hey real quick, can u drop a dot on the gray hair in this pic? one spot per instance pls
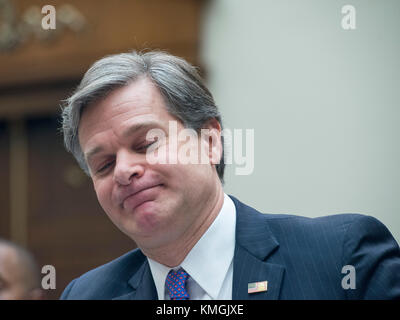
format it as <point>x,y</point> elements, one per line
<point>182,88</point>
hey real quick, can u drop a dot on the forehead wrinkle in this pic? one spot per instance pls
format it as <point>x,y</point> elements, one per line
<point>136,107</point>
<point>135,102</point>
<point>141,97</point>
<point>146,122</point>
<point>138,124</point>
<point>130,111</point>
<point>97,148</point>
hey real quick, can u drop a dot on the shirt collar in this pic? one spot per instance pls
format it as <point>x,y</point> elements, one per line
<point>216,246</point>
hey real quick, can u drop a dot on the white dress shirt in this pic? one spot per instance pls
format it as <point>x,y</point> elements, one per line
<point>209,263</point>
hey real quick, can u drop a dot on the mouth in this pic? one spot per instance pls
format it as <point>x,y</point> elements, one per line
<point>136,199</point>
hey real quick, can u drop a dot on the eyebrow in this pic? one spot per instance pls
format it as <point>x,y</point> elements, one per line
<point>133,129</point>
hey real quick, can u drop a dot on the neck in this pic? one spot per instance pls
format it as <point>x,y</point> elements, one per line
<point>173,253</point>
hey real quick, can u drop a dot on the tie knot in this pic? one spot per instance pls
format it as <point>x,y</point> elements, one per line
<point>176,284</point>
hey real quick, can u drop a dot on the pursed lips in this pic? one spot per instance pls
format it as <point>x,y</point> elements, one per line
<point>134,193</point>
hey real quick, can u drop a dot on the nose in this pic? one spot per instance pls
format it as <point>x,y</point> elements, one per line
<point>127,166</point>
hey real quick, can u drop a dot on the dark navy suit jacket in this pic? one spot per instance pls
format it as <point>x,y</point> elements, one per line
<point>301,258</point>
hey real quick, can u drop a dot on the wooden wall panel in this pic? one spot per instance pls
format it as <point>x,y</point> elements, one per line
<point>111,26</point>
<point>4,181</point>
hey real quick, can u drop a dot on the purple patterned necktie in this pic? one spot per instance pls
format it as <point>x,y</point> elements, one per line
<point>176,284</point>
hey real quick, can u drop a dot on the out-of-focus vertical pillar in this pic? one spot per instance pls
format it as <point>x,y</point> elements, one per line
<point>18,181</point>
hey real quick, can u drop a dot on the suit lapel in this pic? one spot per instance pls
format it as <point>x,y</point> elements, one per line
<point>254,244</point>
<point>142,284</point>
<point>248,269</point>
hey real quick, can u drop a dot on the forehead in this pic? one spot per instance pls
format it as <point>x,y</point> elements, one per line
<point>138,102</point>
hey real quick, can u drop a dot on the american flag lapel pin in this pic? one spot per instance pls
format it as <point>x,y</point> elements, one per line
<point>257,287</point>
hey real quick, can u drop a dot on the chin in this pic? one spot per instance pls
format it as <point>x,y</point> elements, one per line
<point>144,220</point>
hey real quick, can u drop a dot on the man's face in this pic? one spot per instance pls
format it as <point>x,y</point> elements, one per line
<point>151,203</point>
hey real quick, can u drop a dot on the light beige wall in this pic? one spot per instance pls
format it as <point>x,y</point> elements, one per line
<point>324,103</point>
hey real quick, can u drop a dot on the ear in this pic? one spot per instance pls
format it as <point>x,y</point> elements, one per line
<point>211,137</point>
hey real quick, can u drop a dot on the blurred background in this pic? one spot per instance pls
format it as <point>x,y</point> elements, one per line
<point>324,103</point>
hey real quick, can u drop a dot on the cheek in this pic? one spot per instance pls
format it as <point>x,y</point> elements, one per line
<point>103,191</point>
<point>186,178</point>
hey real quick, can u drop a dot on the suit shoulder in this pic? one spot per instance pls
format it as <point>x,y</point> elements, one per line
<point>344,219</point>
<point>289,223</point>
<point>95,284</point>
<point>126,261</point>
<point>331,226</point>
<point>331,218</point>
<point>346,223</point>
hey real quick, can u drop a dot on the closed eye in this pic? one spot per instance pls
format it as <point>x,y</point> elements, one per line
<point>145,147</point>
<point>105,167</point>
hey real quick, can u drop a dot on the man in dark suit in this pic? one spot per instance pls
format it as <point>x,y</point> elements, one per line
<point>147,131</point>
